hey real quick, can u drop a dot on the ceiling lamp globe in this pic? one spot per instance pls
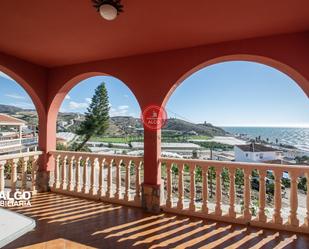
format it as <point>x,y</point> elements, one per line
<point>108,12</point>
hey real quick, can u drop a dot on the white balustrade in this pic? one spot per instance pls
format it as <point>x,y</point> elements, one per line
<point>277,195</point>
<point>169,185</point>
<point>98,176</point>
<point>218,210</point>
<point>108,178</point>
<point>127,181</point>
<point>247,195</point>
<point>138,166</point>
<point>205,190</point>
<point>19,171</point>
<point>234,207</point>
<point>262,196</point>
<point>232,212</point>
<point>293,221</point>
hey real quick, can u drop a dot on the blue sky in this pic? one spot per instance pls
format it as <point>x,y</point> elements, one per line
<point>224,94</point>
<point>122,100</point>
<point>13,94</point>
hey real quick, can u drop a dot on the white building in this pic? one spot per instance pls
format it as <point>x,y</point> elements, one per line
<point>256,153</point>
<point>65,137</point>
<point>11,136</point>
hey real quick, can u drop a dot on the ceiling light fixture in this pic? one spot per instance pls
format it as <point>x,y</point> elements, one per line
<point>108,9</point>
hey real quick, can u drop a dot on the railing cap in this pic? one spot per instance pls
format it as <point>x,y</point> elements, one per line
<point>243,165</point>
<point>94,155</point>
<point>20,155</point>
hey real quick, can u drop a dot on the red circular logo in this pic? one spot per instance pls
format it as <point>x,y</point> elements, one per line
<point>154,117</point>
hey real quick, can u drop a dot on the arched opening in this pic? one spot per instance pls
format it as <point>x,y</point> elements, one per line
<point>19,135</point>
<point>99,139</point>
<point>268,115</point>
<point>124,134</point>
<point>19,118</point>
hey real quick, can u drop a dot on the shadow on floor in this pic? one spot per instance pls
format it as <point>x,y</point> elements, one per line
<point>69,222</point>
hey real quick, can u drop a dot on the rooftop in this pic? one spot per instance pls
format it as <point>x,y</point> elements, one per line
<point>9,120</point>
<point>255,148</point>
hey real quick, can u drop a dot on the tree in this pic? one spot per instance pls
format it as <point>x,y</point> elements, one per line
<point>97,117</point>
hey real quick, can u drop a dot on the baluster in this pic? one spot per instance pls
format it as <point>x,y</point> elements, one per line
<point>192,187</point>
<point>56,173</point>
<point>262,194</point>
<point>24,173</point>
<point>205,189</point>
<point>118,179</point>
<point>307,200</point>
<point>218,210</point>
<point>293,221</point>
<point>34,174</point>
<point>109,179</point>
<point>127,186</point>
<point>169,185</point>
<point>93,163</point>
<point>180,187</point>
<point>14,174</point>
<point>2,178</point>
<point>85,177</point>
<point>77,175</point>
<point>71,187</point>
<point>64,173</point>
<point>137,197</point>
<point>101,177</point>
<point>277,195</point>
<point>232,212</point>
<point>247,195</point>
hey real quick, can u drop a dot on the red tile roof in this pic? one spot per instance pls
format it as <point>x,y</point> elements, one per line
<point>6,119</point>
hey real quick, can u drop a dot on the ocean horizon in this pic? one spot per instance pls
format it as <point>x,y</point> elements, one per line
<point>298,137</point>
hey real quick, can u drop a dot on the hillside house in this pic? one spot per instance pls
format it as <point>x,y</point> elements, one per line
<point>256,153</point>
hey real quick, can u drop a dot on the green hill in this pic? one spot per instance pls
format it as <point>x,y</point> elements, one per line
<point>120,125</point>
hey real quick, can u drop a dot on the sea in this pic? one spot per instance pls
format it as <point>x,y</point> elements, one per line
<point>298,137</point>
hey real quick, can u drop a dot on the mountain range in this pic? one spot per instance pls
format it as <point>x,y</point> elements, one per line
<point>122,125</point>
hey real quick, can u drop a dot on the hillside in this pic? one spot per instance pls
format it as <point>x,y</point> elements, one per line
<point>8,109</point>
<point>128,124</point>
<point>119,125</point>
<point>202,129</point>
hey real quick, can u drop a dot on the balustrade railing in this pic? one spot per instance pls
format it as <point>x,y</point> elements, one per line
<point>225,191</point>
<point>111,178</point>
<point>19,171</point>
<point>11,142</point>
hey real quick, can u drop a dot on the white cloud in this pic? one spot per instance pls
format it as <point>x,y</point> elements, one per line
<point>88,100</point>
<point>123,107</point>
<point>3,75</point>
<point>67,97</point>
<point>63,109</point>
<point>24,105</point>
<point>76,105</point>
<point>15,96</point>
<point>119,111</point>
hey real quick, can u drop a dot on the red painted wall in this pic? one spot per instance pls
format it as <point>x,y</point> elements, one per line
<point>153,78</point>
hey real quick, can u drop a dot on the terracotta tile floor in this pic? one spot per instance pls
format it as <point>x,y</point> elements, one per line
<point>68,222</point>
